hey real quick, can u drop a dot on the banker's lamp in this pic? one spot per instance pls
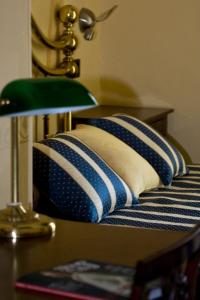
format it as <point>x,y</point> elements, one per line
<point>26,97</point>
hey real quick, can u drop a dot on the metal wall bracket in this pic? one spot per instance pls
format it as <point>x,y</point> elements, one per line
<point>67,43</point>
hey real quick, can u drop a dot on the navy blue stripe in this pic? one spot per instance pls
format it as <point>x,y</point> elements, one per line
<point>190,179</point>
<point>184,185</point>
<point>180,189</point>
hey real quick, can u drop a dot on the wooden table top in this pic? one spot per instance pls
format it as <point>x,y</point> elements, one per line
<point>75,240</point>
<point>147,114</point>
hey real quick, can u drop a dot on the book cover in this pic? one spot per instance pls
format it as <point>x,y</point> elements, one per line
<point>81,279</point>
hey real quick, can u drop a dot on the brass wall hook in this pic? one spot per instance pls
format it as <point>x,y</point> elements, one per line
<point>67,43</point>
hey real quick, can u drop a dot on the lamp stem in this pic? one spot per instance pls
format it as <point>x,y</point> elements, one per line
<point>14,160</point>
<point>68,121</point>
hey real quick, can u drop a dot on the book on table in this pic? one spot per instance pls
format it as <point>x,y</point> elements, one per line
<point>81,279</point>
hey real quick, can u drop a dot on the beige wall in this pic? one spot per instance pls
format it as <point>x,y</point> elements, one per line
<point>15,61</point>
<point>150,54</point>
<point>147,54</point>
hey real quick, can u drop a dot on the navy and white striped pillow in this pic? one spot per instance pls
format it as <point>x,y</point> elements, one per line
<point>164,158</point>
<point>77,181</point>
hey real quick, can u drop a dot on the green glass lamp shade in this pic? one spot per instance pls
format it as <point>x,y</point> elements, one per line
<point>25,97</point>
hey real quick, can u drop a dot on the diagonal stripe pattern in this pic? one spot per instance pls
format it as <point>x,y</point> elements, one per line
<point>175,208</point>
<point>164,157</point>
<point>77,181</point>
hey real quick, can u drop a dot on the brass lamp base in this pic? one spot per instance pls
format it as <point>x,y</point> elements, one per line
<point>18,222</point>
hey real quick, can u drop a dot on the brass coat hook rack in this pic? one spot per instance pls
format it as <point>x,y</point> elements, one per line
<point>67,41</point>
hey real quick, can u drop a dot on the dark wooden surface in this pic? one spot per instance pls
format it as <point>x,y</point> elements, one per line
<point>74,240</point>
<point>156,117</point>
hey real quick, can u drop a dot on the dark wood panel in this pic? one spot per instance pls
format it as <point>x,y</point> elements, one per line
<point>156,117</point>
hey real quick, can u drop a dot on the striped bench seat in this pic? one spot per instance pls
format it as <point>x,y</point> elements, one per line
<point>170,208</point>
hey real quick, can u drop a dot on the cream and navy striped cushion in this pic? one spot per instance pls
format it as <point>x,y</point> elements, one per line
<point>77,181</point>
<point>164,158</point>
<point>175,208</point>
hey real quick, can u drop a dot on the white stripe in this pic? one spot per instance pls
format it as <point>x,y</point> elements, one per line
<point>183,188</point>
<point>170,198</point>
<point>129,199</point>
<point>94,165</point>
<point>178,164</point>
<point>194,172</point>
<point>187,181</point>
<point>158,213</point>
<point>183,164</point>
<point>144,138</point>
<point>75,174</point>
<point>170,205</point>
<point>152,221</point>
<point>195,166</point>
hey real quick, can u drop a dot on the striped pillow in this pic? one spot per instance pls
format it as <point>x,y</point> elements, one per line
<point>164,158</point>
<point>79,184</point>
